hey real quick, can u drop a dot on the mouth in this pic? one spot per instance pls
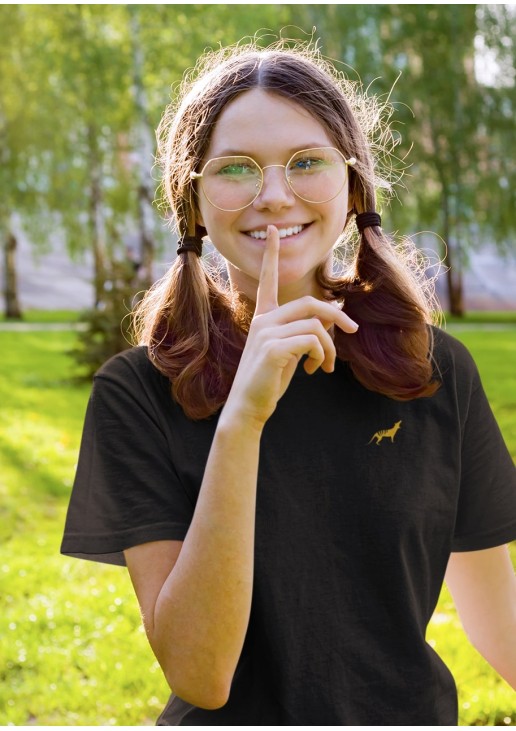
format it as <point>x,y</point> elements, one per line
<point>284,233</point>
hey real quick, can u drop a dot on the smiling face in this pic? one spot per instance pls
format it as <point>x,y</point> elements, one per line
<point>270,128</point>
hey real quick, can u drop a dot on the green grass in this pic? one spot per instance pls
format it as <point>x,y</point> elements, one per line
<point>72,649</point>
<point>483,317</point>
<point>45,316</point>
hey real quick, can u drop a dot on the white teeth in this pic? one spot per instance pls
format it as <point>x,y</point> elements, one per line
<point>283,232</point>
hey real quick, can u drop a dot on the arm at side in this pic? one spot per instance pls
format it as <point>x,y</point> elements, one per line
<point>195,596</point>
<point>483,587</point>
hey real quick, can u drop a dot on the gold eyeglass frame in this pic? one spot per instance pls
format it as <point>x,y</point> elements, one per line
<point>198,176</point>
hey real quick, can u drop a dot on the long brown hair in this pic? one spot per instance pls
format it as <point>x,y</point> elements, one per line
<point>194,327</point>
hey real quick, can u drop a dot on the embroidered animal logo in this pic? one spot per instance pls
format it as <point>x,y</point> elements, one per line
<point>386,433</point>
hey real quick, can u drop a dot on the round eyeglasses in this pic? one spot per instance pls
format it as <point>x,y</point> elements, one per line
<point>232,183</point>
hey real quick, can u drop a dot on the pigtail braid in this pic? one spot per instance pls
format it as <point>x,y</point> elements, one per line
<point>187,323</point>
<point>390,352</point>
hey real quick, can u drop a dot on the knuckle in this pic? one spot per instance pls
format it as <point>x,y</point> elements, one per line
<point>319,327</point>
<point>269,347</point>
<point>308,300</point>
<point>315,344</point>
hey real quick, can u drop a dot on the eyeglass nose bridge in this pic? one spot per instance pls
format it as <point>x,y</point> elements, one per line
<point>262,182</point>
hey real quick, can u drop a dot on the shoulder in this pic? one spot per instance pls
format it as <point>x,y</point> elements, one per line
<point>452,359</point>
<point>457,373</point>
<point>449,348</point>
<point>130,365</point>
<point>131,375</point>
<point>135,360</point>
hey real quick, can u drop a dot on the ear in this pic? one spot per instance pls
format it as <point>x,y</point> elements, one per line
<point>200,230</point>
<point>351,204</point>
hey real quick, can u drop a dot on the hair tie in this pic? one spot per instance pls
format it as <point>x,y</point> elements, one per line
<point>190,243</point>
<point>369,218</point>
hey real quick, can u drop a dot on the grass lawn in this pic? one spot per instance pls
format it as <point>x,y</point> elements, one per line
<point>483,317</point>
<point>46,316</point>
<point>73,651</point>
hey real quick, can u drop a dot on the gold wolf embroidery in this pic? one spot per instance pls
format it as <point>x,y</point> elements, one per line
<point>379,435</point>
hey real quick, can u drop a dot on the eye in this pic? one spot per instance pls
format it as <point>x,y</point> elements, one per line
<point>236,169</point>
<point>308,164</point>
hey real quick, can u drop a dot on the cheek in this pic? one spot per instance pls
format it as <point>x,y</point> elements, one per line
<point>336,215</point>
<point>211,218</point>
<point>341,213</point>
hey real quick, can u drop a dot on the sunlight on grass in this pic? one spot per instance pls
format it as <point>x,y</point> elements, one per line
<point>484,699</point>
<point>73,651</point>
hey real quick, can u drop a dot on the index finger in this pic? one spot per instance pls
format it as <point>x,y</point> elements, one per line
<point>267,295</point>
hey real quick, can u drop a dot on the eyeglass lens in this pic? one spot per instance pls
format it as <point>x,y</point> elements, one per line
<point>316,176</point>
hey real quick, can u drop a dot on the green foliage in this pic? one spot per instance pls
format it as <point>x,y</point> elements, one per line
<point>71,127</point>
<point>73,651</point>
<point>74,67</point>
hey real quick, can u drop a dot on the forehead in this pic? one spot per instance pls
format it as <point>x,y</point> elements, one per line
<point>263,123</point>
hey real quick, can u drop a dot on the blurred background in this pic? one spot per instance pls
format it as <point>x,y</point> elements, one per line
<point>83,88</point>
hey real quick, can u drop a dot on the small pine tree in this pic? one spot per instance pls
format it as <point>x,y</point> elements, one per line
<point>106,328</point>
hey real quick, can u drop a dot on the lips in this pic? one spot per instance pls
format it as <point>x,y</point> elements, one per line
<point>283,232</point>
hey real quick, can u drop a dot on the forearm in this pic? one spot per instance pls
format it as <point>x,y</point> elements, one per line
<point>499,649</point>
<point>483,586</point>
<point>202,612</point>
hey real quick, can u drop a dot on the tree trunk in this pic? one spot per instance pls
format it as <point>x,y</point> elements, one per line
<point>12,304</point>
<point>145,156</point>
<point>452,260</point>
<point>455,290</point>
<point>97,226</point>
<point>146,237</point>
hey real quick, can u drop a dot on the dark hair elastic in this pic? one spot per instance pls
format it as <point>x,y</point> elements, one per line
<point>190,243</point>
<point>369,218</point>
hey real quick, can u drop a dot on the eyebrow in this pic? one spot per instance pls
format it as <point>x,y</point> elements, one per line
<point>233,152</point>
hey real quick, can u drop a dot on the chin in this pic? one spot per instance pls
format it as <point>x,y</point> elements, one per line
<point>292,275</point>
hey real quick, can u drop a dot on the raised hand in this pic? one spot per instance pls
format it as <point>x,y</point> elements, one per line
<point>278,337</point>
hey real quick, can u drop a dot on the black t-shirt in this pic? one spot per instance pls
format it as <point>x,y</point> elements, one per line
<point>360,501</point>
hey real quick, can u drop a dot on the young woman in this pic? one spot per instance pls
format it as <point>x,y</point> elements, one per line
<point>289,465</point>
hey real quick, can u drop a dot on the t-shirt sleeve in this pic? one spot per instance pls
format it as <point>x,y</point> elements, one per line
<point>126,489</point>
<point>486,511</point>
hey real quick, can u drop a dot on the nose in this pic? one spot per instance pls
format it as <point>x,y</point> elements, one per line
<point>275,193</point>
